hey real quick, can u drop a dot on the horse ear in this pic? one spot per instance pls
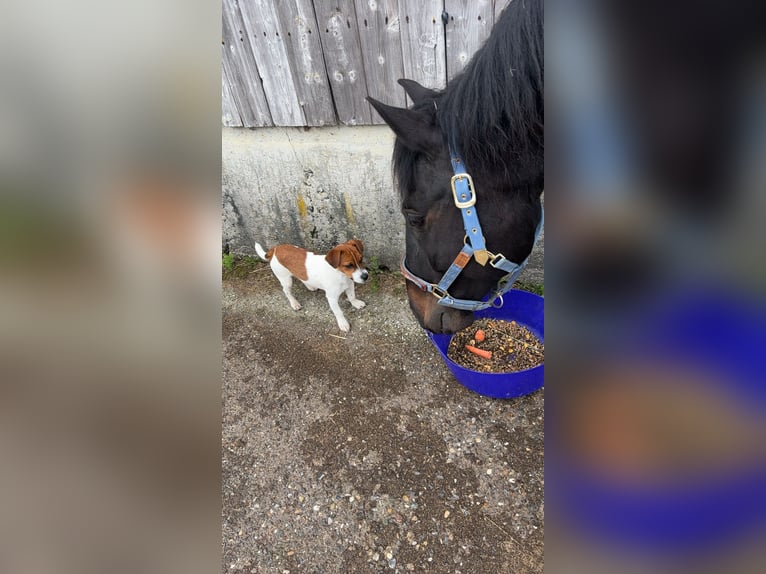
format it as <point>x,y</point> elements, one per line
<point>415,91</point>
<point>416,129</point>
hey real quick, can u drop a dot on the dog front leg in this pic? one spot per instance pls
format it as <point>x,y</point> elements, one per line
<point>335,306</point>
<point>355,303</point>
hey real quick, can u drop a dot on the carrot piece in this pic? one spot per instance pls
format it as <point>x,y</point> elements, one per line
<point>479,335</point>
<point>479,352</point>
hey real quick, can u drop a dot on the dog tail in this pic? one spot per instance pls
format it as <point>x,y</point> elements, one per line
<point>265,255</point>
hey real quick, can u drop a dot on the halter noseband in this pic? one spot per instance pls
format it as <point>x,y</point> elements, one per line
<point>474,246</point>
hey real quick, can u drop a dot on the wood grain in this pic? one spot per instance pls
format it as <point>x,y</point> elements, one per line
<point>241,70</point>
<point>378,24</point>
<point>343,59</point>
<point>468,27</point>
<point>299,31</point>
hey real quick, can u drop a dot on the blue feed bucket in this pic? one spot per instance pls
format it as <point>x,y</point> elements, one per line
<point>525,308</point>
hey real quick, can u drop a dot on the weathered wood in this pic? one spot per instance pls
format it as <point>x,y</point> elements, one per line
<point>378,24</point>
<point>468,27</point>
<point>311,62</point>
<point>263,30</point>
<point>343,59</point>
<point>229,113</point>
<point>241,71</point>
<point>422,34</point>
<point>299,31</point>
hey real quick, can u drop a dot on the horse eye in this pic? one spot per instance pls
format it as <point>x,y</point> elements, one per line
<point>414,219</point>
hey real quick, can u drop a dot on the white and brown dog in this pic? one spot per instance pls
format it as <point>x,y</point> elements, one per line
<point>334,273</point>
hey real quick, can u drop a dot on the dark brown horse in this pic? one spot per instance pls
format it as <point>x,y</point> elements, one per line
<point>490,120</point>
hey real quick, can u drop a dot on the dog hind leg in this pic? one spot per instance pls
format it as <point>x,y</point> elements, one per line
<point>286,279</point>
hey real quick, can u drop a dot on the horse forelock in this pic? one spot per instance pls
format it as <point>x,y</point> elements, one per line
<point>493,110</point>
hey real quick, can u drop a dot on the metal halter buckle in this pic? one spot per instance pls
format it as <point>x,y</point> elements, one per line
<point>438,292</point>
<point>463,203</point>
<point>495,258</point>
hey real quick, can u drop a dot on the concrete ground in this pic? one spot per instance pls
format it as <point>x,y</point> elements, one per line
<point>359,452</point>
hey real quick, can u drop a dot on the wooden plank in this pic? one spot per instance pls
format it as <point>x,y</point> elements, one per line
<point>299,31</point>
<point>378,25</point>
<point>241,71</point>
<point>468,27</point>
<point>343,59</point>
<point>500,6</point>
<point>263,30</point>
<point>229,113</point>
<point>422,33</point>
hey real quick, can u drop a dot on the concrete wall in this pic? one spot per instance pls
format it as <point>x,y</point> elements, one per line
<point>316,187</point>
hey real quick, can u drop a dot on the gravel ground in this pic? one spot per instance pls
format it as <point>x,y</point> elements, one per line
<point>359,452</point>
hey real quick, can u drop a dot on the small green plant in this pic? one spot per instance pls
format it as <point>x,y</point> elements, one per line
<point>374,269</point>
<point>238,266</point>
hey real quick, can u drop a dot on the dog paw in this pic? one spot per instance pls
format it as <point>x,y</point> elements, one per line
<point>296,306</point>
<point>344,326</point>
<point>358,304</point>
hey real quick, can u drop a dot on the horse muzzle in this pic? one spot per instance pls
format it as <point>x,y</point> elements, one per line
<point>434,317</point>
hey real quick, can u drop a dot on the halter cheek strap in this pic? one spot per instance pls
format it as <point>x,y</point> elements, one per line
<point>464,196</point>
<point>465,199</point>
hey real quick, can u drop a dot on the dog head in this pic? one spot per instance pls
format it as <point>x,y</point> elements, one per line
<point>347,258</point>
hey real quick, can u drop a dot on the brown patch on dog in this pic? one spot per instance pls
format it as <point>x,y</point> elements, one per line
<point>359,247</point>
<point>292,257</point>
<point>346,257</point>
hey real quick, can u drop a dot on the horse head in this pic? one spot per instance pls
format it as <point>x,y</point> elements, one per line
<point>493,113</point>
<point>507,204</point>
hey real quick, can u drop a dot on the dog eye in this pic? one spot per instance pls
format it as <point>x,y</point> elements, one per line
<point>348,265</point>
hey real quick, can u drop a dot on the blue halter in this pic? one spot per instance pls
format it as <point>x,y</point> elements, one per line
<point>474,246</point>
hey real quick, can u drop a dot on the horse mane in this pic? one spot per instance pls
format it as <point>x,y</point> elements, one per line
<point>492,112</point>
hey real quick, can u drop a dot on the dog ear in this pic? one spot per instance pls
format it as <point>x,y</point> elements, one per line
<point>356,244</point>
<point>333,257</point>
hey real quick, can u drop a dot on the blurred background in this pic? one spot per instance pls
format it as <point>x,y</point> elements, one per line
<point>655,297</point>
<point>109,294</point>
<point>109,291</point>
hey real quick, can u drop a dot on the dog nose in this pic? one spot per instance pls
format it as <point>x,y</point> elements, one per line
<point>365,275</point>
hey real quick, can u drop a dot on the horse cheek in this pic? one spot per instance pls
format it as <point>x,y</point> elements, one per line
<point>421,303</point>
<point>433,316</point>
